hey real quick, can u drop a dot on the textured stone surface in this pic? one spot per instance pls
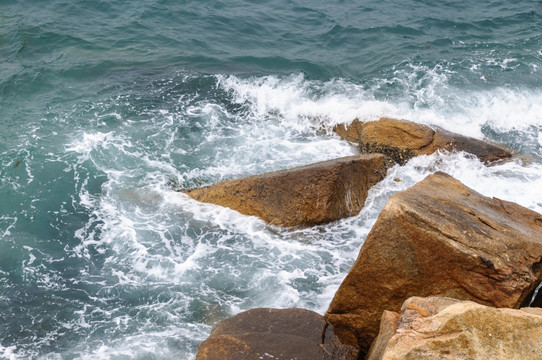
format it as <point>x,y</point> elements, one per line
<point>389,324</point>
<point>437,328</point>
<point>306,195</point>
<point>401,140</point>
<point>439,238</point>
<point>274,334</point>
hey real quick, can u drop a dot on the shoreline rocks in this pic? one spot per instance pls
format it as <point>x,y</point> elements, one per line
<point>305,195</point>
<point>436,278</point>
<point>450,329</point>
<point>274,334</point>
<point>439,238</point>
<point>401,140</point>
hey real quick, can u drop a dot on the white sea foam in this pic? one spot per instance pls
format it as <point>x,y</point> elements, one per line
<point>226,262</point>
<point>512,181</point>
<point>8,353</point>
<point>7,223</point>
<point>427,98</point>
<point>150,343</point>
<point>89,142</point>
<point>305,104</point>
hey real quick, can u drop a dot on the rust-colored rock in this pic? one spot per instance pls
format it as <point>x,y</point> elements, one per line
<point>306,195</point>
<point>439,238</point>
<point>401,140</point>
<point>274,334</point>
<point>437,328</point>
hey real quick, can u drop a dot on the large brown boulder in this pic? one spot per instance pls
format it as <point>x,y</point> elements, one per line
<point>439,238</point>
<point>274,334</point>
<point>306,195</point>
<point>437,328</point>
<point>401,140</point>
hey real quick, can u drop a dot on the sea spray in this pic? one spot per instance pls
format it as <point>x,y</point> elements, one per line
<point>109,110</point>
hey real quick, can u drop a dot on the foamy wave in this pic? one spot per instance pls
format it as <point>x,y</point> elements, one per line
<point>511,181</point>
<point>305,103</point>
<point>422,94</point>
<point>88,143</point>
<point>8,353</point>
<point>6,224</point>
<point>505,109</point>
<point>154,344</point>
<point>221,262</point>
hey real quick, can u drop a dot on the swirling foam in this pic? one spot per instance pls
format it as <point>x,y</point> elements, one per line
<point>163,268</point>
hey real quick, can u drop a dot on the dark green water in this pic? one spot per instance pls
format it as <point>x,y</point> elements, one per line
<point>105,104</point>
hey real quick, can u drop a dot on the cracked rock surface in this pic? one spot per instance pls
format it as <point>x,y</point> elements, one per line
<point>448,329</point>
<point>439,238</point>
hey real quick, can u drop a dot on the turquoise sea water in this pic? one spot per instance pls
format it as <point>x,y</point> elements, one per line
<point>108,107</point>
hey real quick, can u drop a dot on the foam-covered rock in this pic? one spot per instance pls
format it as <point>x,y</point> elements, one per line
<point>305,195</point>
<point>439,238</point>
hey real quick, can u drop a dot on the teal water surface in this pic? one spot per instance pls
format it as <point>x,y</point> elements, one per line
<point>108,107</point>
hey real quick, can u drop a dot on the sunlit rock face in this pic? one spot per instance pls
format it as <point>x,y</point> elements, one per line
<point>301,196</point>
<point>449,329</point>
<point>439,237</point>
<point>401,140</point>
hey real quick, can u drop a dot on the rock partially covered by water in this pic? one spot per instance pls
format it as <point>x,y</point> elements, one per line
<point>449,329</point>
<point>274,334</point>
<point>439,238</point>
<point>306,195</point>
<point>401,140</point>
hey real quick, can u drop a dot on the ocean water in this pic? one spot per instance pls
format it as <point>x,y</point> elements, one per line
<point>108,107</point>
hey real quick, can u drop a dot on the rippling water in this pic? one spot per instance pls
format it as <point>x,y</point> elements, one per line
<point>108,107</point>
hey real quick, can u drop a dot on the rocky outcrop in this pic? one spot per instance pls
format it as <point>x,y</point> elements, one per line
<point>439,238</point>
<point>305,195</point>
<point>401,140</point>
<point>448,329</point>
<point>274,334</point>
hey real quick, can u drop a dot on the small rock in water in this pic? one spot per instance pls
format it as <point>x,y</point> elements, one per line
<point>401,140</point>
<point>274,334</point>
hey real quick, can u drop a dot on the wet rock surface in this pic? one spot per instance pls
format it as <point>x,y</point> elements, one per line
<point>306,195</point>
<point>274,334</point>
<point>439,238</point>
<point>401,140</point>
